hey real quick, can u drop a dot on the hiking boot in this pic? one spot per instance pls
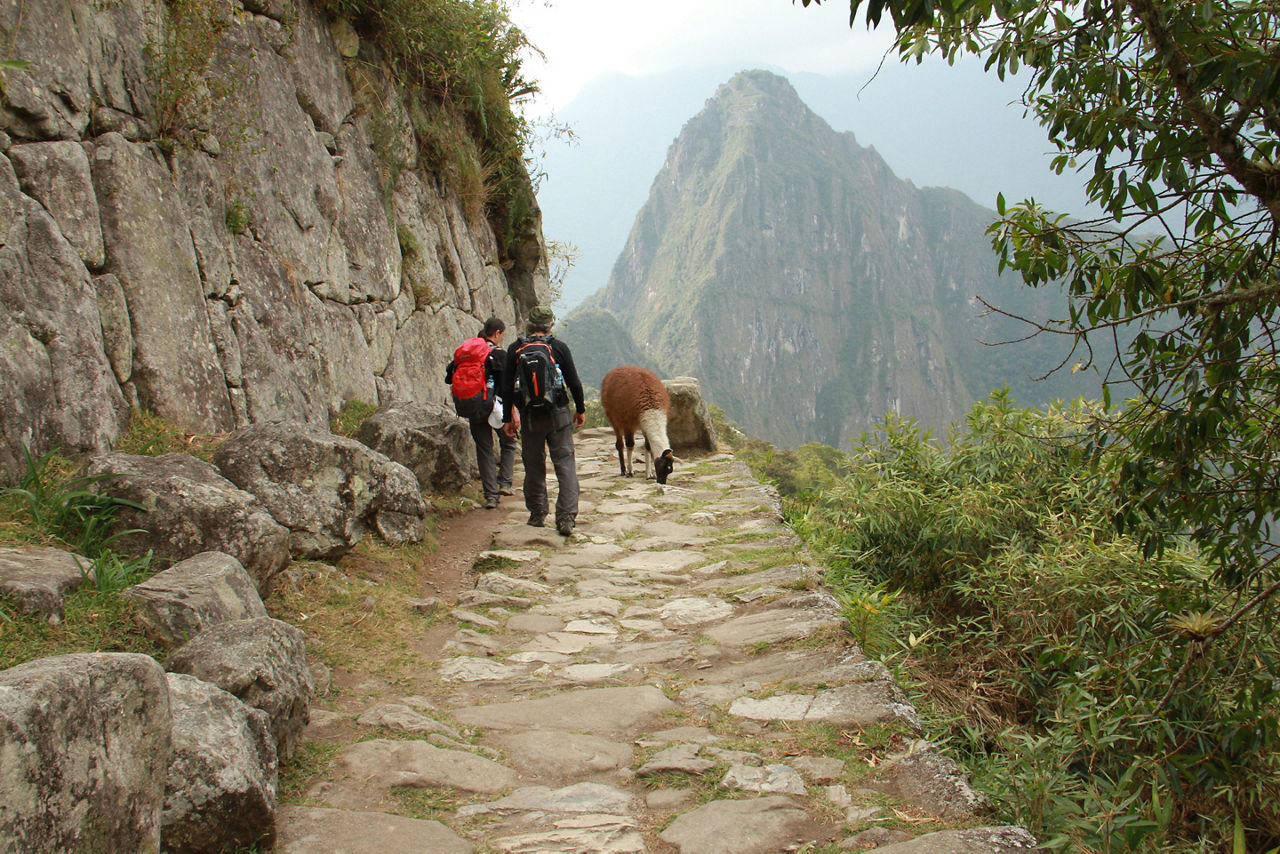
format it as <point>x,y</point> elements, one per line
<point>491,502</point>
<point>505,490</point>
<point>564,528</point>
<point>536,521</point>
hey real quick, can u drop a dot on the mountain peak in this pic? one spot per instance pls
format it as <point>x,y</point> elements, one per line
<point>845,292</point>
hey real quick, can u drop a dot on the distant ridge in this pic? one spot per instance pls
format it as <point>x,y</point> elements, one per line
<point>809,288</point>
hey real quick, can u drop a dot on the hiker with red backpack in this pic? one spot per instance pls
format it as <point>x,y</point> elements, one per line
<point>475,375</point>
<point>540,378</point>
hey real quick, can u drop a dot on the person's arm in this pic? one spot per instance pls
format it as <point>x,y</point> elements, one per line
<point>506,388</point>
<point>570,372</point>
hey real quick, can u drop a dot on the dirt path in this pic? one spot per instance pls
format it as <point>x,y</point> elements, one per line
<point>671,678</point>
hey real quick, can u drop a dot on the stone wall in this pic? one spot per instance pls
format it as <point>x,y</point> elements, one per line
<point>269,262</point>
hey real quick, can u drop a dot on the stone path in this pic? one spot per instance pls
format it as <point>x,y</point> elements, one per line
<point>673,678</point>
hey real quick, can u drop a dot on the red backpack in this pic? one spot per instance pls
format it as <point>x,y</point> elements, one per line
<point>471,397</point>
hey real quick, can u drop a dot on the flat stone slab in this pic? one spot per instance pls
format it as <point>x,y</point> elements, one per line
<point>624,508</point>
<point>753,826</point>
<point>604,587</point>
<point>565,643</point>
<point>590,627</point>
<point>539,657</point>
<point>772,779</point>
<point>534,623</point>
<point>848,705</point>
<point>470,668</point>
<point>584,555</point>
<point>691,611</point>
<point>819,769</point>
<point>602,834</point>
<point>517,555</point>
<point>982,840</point>
<point>773,626</point>
<point>498,582</point>
<point>681,757</point>
<point>379,764</point>
<point>657,561</point>
<point>464,616</point>
<point>591,710</point>
<point>555,753</point>
<point>579,798</point>
<point>778,576</point>
<point>588,607</point>
<point>306,830</point>
<point>594,672</point>
<point>400,716</point>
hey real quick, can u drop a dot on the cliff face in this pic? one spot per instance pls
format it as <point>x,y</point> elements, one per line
<point>810,289</point>
<point>286,254</point>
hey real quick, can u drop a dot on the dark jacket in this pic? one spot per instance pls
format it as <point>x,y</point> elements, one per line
<point>563,357</point>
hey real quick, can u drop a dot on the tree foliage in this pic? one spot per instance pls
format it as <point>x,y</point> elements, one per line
<point>1171,109</point>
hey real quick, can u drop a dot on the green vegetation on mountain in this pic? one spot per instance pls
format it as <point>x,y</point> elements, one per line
<point>1048,649</point>
<point>600,343</point>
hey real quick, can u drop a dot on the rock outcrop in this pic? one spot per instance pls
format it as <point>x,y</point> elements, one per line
<point>328,490</point>
<point>260,261</point>
<point>189,508</point>
<point>262,661</point>
<point>86,745</point>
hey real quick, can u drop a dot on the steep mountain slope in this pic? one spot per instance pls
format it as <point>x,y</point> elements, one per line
<point>599,343</point>
<point>809,288</point>
<point>935,124</point>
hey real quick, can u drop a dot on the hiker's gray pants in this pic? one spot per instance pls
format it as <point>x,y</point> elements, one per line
<point>542,434</point>
<point>493,476</point>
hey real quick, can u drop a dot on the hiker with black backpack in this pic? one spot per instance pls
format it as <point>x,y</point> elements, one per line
<point>475,377</point>
<point>540,378</point>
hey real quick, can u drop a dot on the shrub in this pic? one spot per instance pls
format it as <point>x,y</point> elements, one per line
<point>1106,697</point>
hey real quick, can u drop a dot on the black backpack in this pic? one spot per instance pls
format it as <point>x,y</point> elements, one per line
<point>538,382</point>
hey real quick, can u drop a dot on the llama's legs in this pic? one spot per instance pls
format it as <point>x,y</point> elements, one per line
<point>622,461</point>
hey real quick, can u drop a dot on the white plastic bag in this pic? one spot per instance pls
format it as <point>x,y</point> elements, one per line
<point>495,417</point>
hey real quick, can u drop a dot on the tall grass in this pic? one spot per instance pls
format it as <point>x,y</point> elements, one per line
<point>1045,643</point>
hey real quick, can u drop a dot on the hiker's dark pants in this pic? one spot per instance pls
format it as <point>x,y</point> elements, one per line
<point>494,476</point>
<point>542,434</point>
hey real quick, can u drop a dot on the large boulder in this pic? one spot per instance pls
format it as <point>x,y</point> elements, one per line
<point>263,662</point>
<point>689,424</point>
<point>189,509</point>
<point>221,793</point>
<point>194,594</point>
<point>427,438</point>
<point>326,489</point>
<point>85,741</point>
<point>38,577</point>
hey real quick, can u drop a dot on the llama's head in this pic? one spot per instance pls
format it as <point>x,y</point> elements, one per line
<point>663,465</point>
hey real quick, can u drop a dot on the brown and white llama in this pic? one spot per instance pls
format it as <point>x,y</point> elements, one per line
<point>635,399</point>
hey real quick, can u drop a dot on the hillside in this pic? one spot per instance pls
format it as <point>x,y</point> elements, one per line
<point>226,215</point>
<point>810,289</point>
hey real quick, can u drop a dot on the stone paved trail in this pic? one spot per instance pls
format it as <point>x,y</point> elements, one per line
<point>672,678</point>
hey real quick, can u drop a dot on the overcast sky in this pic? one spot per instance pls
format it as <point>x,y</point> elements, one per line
<point>582,39</point>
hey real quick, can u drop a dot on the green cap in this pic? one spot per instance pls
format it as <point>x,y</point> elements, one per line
<point>541,315</point>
